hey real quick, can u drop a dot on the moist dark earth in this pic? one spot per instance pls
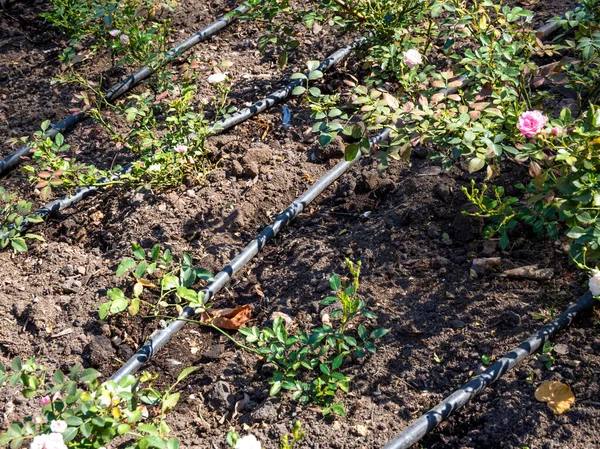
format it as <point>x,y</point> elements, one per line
<point>406,225</point>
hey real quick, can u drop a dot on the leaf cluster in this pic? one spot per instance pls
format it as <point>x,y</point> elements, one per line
<point>308,364</point>
<point>95,413</point>
<point>158,270</point>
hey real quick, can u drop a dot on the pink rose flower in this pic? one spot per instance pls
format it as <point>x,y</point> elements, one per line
<point>531,123</point>
<point>45,401</point>
<point>124,39</point>
<point>49,441</point>
<point>58,426</point>
<point>56,396</point>
<point>412,58</point>
<point>114,33</point>
<point>181,149</point>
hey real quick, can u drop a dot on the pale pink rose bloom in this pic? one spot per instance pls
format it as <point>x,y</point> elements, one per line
<point>56,396</point>
<point>595,284</point>
<point>531,123</point>
<point>114,33</point>
<point>181,148</point>
<point>45,401</point>
<point>217,78</point>
<point>50,441</point>
<point>124,39</point>
<point>412,58</point>
<point>58,426</point>
<point>567,247</point>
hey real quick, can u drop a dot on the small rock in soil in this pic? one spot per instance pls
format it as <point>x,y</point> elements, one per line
<point>252,169</point>
<point>267,412</point>
<point>432,170</point>
<point>561,349</point>
<point>67,270</point>
<point>68,226</point>
<point>214,352</point>
<point>267,369</point>
<point>386,186</point>
<point>220,397</point>
<point>442,192</point>
<point>369,182</point>
<point>346,187</point>
<point>486,264</point>
<point>100,351</point>
<point>126,352</point>
<point>458,324</point>
<point>71,285</point>
<point>361,430</point>
<point>236,168</point>
<point>258,155</point>
<point>512,317</point>
<point>334,150</point>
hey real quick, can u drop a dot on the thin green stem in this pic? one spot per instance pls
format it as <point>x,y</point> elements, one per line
<point>212,326</point>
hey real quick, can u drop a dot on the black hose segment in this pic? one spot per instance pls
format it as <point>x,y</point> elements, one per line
<point>426,423</point>
<point>125,85</point>
<point>53,208</point>
<point>283,93</point>
<point>163,336</point>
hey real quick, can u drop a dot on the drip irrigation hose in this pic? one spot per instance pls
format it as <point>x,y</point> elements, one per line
<point>125,85</point>
<point>163,336</point>
<point>283,93</point>
<point>54,207</point>
<point>426,423</point>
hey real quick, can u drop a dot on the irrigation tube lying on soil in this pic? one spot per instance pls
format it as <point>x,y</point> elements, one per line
<point>125,85</point>
<point>423,425</point>
<point>54,207</point>
<point>283,93</point>
<point>162,337</point>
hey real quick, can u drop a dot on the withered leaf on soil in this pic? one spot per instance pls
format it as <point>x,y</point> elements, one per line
<point>558,396</point>
<point>230,319</point>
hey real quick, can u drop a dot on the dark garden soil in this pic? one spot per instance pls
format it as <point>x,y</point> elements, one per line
<point>406,226</point>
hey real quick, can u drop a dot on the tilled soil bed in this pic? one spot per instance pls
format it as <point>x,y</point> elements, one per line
<point>406,225</point>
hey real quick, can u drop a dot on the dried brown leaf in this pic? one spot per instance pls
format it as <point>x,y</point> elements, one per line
<point>557,395</point>
<point>230,319</point>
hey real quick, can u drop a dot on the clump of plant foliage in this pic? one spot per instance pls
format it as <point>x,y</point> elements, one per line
<point>79,411</point>
<point>309,364</point>
<point>128,29</point>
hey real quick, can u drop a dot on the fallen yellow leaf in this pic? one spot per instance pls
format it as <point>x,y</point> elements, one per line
<point>558,396</point>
